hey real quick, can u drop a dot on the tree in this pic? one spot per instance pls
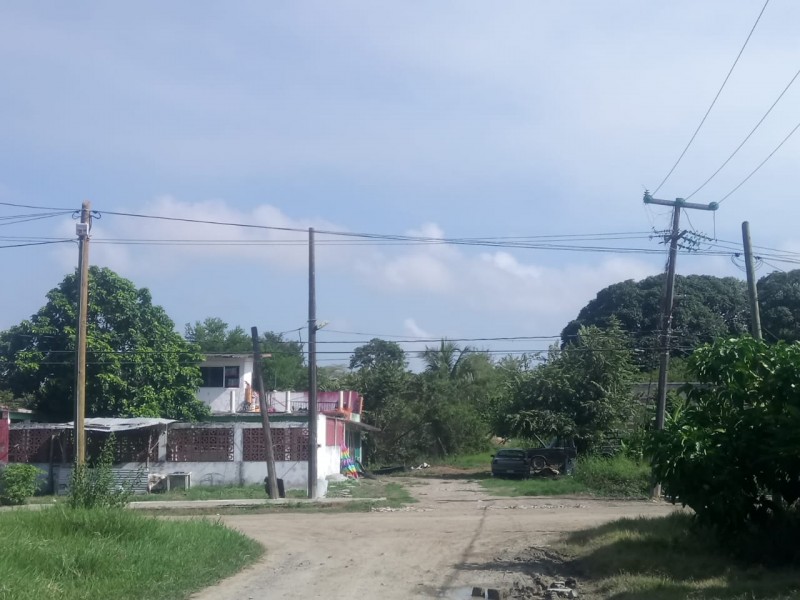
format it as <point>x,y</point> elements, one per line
<point>779,299</point>
<point>582,390</point>
<point>378,353</point>
<point>706,308</point>
<point>213,335</point>
<point>730,452</point>
<point>284,363</point>
<point>448,360</point>
<point>137,364</point>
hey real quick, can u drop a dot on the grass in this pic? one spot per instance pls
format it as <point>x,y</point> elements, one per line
<point>665,559</point>
<point>617,477</point>
<point>563,486</point>
<point>365,494</point>
<point>99,554</point>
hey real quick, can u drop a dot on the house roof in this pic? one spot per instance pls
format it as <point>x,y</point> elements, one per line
<point>101,424</point>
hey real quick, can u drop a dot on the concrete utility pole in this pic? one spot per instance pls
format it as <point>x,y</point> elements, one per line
<point>755,315</point>
<point>312,369</point>
<point>669,296</point>
<point>82,230</point>
<point>272,478</point>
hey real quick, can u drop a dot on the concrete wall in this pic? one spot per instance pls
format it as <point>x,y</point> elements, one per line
<point>228,400</point>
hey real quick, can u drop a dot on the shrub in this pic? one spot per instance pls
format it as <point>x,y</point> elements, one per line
<point>96,486</point>
<point>17,483</point>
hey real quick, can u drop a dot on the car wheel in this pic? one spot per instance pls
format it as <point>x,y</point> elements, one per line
<point>538,462</point>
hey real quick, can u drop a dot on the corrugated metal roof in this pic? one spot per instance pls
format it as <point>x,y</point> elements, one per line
<point>101,424</point>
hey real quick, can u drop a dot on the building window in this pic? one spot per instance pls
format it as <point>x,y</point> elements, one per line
<point>231,377</point>
<point>212,376</point>
<point>217,377</point>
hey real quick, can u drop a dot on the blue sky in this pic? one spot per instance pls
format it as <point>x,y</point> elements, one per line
<point>444,120</point>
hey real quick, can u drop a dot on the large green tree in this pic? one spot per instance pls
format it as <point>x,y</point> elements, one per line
<point>706,308</point>
<point>779,299</point>
<point>137,364</point>
<point>214,335</point>
<point>582,390</point>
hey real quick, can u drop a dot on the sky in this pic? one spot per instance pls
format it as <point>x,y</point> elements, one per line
<point>434,122</point>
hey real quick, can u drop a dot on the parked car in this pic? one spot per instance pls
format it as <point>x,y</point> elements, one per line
<point>511,462</point>
<point>557,453</point>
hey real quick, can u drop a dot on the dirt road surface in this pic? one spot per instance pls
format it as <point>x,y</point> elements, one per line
<point>456,537</point>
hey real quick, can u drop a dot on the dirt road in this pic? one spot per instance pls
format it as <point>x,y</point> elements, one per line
<point>455,538</point>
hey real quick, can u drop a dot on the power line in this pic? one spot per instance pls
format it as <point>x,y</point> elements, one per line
<point>714,101</point>
<point>36,244</point>
<point>747,137</point>
<point>754,171</point>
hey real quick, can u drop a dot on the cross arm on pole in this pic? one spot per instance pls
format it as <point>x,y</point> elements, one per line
<point>648,199</point>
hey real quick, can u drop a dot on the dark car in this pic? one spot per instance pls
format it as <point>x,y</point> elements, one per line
<point>511,462</point>
<point>557,453</point>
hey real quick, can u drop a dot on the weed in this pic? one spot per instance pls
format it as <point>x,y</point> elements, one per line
<point>17,483</point>
<point>104,553</point>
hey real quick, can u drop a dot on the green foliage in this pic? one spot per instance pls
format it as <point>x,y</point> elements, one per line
<point>437,413</point>
<point>101,553</point>
<point>582,391</point>
<point>617,476</point>
<point>284,363</point>
<point>706,308</point>
<point>378,353</point>
<point>17,483</point>
<point>213,335</point>
<point>137,365</point>
<point>779,301</point>
<point>95,486</point>
<point>730,452</point>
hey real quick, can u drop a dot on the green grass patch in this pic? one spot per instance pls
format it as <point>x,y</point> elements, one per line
<point>615,477</point>
<point>364,495</point>
<point>563,486</point>
<point>100,554</point>
<point>665,559</point>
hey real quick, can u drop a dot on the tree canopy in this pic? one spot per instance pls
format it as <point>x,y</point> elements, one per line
<point>779,299</point>
<point>213,335</point>
<point>706,308</point>
<point>582,390</point>
<point>136,365</point>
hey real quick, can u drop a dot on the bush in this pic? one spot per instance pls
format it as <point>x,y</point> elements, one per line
<point>17,483</point>
<point>613,476</point>
<point>96,486</point>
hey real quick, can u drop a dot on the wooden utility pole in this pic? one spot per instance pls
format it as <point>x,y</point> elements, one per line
<point>669,296</point>
<point>752,289</point>
<point>312,369</point>
<point>82,230</point>
<point>272,478</point>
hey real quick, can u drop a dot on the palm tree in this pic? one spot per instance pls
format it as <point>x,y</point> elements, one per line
<point>448,360</point>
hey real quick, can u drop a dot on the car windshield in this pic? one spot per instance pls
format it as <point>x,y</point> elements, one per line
<point>511,454</point>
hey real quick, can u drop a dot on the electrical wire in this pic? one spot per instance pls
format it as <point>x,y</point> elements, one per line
<point>714,101</point>
<point>747,137</point>
<point>36,244</point>
<point>754,171</point>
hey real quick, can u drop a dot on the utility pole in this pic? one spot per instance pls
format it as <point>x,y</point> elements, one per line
<point>312,369</point>
<point>752,289</point>
<point>669,296</point>
<point>82,230</point>
<point>272,478</point>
